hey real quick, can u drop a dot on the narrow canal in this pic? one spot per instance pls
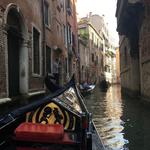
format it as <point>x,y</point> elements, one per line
<point>123,123</point>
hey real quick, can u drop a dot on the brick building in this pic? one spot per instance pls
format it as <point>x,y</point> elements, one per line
<point>32,35</point>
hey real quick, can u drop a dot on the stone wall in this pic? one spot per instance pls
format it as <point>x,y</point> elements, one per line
<point>130,73</point>
<point>3,86</point>
<point>124,62</point>
<point>145,53</point>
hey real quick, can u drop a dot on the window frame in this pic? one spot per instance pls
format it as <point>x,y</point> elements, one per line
<point>46,19</point>
<point>48,47</point>
<point>92,57</point>
<point>49,14</point>
<point>40,52</point>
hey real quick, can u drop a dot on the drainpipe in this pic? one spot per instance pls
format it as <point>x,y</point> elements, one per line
<point>43,39</point>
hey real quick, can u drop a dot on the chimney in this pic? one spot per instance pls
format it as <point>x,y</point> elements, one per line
<point>90,14</point>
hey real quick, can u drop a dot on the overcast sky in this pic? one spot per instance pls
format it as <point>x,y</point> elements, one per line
<point>100,7</point>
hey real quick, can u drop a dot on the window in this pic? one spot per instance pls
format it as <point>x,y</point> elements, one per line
<point>46,13</point>
<point>73,40</point>
<point>69,34</point>
<point>62,4</point>
<point>65,35</point>
<point>58,30</point>
<point>97,43</point>
<point>36,51</point>
<point>48,59</point>
<point>96,60</point>
<point>92,57</point>
<point>107,69</point>
<point>68,5</point>
<point>92,38</point>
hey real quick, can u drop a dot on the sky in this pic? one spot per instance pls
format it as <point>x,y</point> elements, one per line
<point>101,7</point>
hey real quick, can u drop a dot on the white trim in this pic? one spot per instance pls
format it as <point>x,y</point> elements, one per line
<point>40,52</point>
<point>18,9</point>
<point>36,93</point>
<point>4,100</point>
<point>9,6</point>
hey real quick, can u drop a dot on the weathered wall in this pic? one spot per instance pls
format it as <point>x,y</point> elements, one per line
<point>3,85</point>
<point>124,62</point>
<point>145,53</point>
<point>30,12</point>
<point>130,73</point>
<point>32,16</point>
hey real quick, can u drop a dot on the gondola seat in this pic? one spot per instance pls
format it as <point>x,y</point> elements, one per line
<point>27,148</point>
<point>41,133</point>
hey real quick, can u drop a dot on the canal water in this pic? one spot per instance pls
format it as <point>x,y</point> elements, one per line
<point>123,123</point>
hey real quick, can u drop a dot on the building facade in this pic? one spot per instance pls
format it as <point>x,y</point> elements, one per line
<point>90,51</point>
<point>134,46</point>
<point>110,64</point>
<point>108,47</point>
<point>32,35</point>
<point>100,50</point>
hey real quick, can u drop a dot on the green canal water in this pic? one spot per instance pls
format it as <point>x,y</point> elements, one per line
<point>123,123</point>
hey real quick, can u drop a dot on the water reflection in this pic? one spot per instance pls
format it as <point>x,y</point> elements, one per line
<point>137,124</point>
<point>123,123</point>
<point>107,111</point>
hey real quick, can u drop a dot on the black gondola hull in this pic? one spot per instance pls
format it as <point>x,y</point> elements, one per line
<point>65,107</point>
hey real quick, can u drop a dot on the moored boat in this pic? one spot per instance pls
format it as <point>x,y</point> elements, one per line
<point>87,89</point>
<point>58,121</point>
<point>104,85</point>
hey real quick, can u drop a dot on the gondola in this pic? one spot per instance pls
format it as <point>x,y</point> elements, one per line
<point>59,121</point>
<point>104,85</point>
<point>88,89</point>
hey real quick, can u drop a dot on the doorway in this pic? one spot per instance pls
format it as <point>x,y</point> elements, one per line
<point>17,54</point>
<point>13,63</point>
